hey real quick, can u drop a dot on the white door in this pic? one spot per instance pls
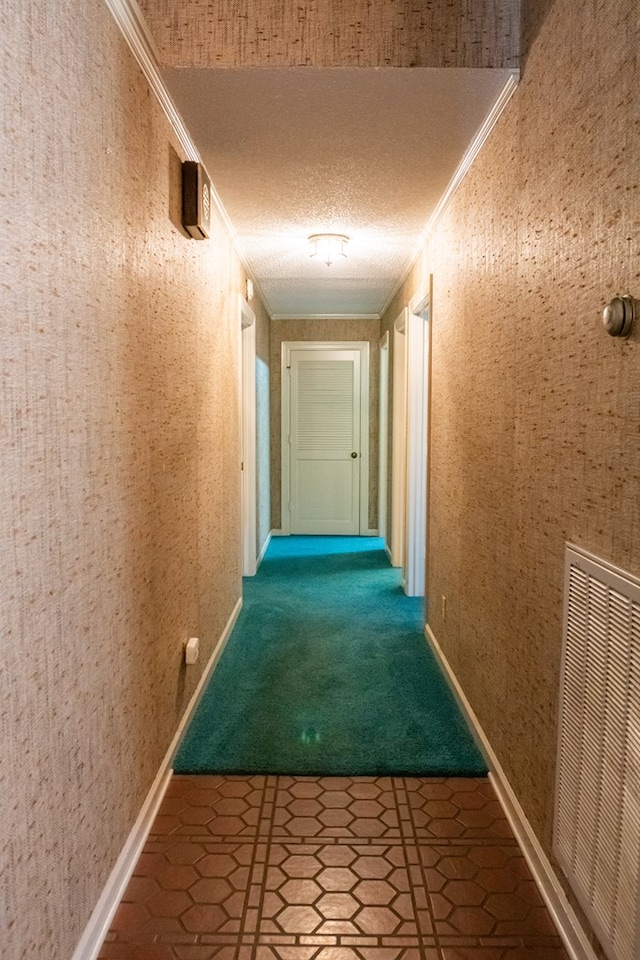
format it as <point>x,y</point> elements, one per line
<point>325,442</point>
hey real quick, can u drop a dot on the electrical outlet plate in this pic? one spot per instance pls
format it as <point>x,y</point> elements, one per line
<point>191,650</point>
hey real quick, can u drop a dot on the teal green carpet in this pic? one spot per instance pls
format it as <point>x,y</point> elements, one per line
<point>327,671</point>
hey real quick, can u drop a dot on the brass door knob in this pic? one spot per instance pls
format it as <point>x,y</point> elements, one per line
<point>354,455</point>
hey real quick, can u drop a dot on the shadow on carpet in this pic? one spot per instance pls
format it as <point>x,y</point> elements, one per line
<point>327,672</point>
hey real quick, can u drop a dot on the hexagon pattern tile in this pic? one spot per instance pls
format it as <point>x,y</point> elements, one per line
<point>331,868</point>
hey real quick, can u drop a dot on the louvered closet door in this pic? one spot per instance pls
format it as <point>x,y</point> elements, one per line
<point>325,432</point>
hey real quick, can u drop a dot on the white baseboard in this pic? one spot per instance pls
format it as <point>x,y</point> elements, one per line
<point>96,930</point>
<point>264,550</point>
<point>374,532</point>
<point>562,913</point>
<point>387,550</point>
<point>100,921</point>
<point>279,533</point>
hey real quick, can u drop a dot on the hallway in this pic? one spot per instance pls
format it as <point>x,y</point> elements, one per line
<point>298,868</point>
<point>127,517</point>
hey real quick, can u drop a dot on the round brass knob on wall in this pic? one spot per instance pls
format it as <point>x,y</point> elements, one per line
<point>618,316</point>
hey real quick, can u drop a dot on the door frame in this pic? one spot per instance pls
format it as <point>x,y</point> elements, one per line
<point>383,441</point>
<point>248,488</point>
<point>418,403</point>
<point>399,441</point>
<point>285,476</point>
<point>410,440</point>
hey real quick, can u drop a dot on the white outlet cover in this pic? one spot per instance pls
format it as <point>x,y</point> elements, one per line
<point>191,650</point>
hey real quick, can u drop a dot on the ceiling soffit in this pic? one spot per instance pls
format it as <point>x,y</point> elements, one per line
<point>360,33</point>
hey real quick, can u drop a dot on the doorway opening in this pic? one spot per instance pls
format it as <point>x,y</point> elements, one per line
<point>411,363</point>
<point>383,443</point>
<point>248,421</point>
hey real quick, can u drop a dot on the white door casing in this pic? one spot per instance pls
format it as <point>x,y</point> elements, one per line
<point>324,422</point>
<point>399,442</point>
<point>418,356</point>
<point>383,441</point>
<point>411,346</point>
<point>248,420</point>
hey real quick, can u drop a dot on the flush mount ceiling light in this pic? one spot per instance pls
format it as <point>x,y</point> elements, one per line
<point>328,246</point>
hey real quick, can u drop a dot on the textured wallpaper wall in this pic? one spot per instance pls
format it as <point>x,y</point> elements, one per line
<point>119,484</point>
<point>282,330</point>
<point>535,431</point>
<point>361,33</point>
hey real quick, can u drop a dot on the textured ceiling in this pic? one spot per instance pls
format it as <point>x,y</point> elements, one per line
<point>349,116</point>
<point>362,151</point>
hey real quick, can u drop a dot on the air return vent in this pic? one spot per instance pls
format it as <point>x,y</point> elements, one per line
<point>597,813</point>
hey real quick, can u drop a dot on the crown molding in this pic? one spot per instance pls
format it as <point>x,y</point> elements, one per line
<point>462,169</point>
<point>130,19</point>
<point>135,31</point>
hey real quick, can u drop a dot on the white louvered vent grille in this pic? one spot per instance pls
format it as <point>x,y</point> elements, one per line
<point>325,405</point>
<point>597,813</point>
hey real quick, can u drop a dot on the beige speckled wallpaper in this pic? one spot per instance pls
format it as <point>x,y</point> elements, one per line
<point>361,33</point>
<point>119,485</point>
<point>282,330</point>
<point>535,435</point>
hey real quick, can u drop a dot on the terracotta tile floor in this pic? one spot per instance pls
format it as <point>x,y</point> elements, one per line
<point>333,868</point>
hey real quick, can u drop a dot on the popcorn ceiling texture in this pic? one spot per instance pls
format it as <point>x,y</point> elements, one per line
<point>290,151</point>
<point>361,33</point>
<point>329,330</point>
<point>535,412</point>
<point>119,490</point>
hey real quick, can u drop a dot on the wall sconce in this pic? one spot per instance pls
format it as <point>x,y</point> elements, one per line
<point>328,246</point>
